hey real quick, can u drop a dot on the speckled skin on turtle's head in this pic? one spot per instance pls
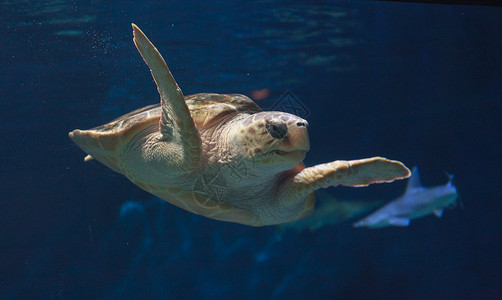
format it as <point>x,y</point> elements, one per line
<point>221,156</point>
<point>274,141</point>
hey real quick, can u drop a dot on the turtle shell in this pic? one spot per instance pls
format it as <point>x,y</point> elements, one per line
<point>205,109</point>
<point>209,109</point>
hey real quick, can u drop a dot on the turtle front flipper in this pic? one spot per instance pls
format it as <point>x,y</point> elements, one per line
<point>361,172</point>
<point>176,124</point>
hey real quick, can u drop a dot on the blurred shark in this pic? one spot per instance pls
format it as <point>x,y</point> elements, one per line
<point>418,201</point>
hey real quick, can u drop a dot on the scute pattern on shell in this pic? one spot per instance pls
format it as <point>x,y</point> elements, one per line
<point>209,109</point>
<point>205,109</point>
<point>131,119</point>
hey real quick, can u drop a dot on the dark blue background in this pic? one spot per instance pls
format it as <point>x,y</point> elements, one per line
<point>414,82</point>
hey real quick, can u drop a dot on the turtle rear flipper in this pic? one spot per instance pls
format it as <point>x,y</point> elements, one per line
<point>102,146</point>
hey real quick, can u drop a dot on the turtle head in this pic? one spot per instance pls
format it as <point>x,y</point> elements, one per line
<point>273,141</point>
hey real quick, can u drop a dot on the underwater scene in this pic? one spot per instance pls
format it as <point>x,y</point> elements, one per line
<point>375,176</point>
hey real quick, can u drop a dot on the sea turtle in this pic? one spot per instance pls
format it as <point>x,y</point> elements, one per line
<point>221,156</point>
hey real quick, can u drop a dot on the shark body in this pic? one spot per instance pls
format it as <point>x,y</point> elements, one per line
<point>418,201</point>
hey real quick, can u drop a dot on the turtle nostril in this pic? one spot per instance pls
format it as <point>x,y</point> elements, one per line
<point>301,124</point>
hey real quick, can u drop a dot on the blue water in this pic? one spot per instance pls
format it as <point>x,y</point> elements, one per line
<point>414,82</point>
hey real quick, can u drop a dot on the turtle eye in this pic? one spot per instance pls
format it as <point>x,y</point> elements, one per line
<point>277,130</point>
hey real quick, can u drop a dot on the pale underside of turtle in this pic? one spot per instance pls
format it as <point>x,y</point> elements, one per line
<point>221,156</point>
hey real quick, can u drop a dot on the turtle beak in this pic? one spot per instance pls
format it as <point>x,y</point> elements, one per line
<point>297,138</point>
<point>295,145</point>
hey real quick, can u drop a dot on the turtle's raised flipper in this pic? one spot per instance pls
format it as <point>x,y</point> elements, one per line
<point>176,124</point>
<point>361,172</point>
